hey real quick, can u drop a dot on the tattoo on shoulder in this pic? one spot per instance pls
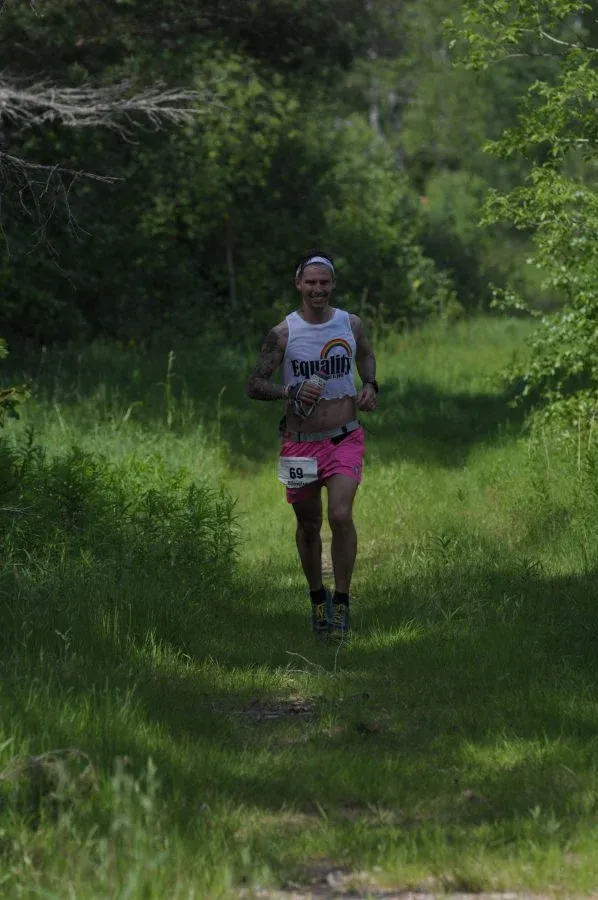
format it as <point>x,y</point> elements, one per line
<point>268,361</point>
<point>272,342</point>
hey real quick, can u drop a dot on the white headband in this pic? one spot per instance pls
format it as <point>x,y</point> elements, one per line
<point>314,260</point>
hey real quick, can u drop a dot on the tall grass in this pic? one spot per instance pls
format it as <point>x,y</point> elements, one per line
<point>159,629</point>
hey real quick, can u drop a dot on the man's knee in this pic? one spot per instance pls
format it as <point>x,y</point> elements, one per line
<point>340,517</point>
<point>310,527</point>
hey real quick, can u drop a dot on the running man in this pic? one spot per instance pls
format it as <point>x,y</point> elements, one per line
<point>322,442</point>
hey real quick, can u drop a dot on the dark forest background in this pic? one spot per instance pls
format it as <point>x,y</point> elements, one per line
<point>338,123</point>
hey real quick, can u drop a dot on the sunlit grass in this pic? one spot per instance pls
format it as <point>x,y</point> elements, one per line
<point>451,747</point>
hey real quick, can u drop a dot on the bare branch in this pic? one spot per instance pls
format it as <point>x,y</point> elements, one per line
<point>569,44</point>
<point>42,190</point>
<point>4,3</point>
<point>114,106</point>
<point>22,165</point>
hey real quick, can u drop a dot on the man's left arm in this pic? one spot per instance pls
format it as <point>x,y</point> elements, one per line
<point>365,361</point>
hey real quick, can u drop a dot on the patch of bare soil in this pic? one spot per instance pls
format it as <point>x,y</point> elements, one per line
<point>329,892</point>
<point>326,881</point>
<point>277,709</point>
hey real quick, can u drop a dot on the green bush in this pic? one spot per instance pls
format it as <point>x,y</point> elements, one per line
<point>90,546</point>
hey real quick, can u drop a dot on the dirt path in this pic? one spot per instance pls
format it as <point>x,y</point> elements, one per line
<point>319,893</point>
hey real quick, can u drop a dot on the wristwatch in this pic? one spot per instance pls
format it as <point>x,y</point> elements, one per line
<point>374,384</point>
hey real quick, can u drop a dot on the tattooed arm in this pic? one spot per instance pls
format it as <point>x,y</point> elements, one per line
<point>366,366</point>
<point>259,385</point>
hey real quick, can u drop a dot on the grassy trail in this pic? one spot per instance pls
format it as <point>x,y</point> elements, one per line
<point>451,747</point>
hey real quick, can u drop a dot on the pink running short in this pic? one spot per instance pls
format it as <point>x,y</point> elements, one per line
<point>342,458</point>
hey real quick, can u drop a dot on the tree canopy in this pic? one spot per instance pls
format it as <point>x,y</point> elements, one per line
<point>164,163</point>
<point>557,202</point>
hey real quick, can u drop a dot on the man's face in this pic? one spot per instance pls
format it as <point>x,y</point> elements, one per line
<point>315,284</point>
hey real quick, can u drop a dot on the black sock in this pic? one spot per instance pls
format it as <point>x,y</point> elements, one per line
<point>340,598</point>
<point>318,596</point>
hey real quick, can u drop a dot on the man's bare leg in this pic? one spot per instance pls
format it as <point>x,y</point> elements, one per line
<point>309,541</point>
<point>341,494</point>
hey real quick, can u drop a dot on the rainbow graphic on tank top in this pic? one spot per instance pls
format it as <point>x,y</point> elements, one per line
<point>335,358</point>
<point>336,344</point>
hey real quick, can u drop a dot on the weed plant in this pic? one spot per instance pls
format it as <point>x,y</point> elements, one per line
<point>160,629</point>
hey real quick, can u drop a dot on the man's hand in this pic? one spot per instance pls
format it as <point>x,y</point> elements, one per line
<point>366,398</point>
<point>303,397</point>
<point>308,392</point>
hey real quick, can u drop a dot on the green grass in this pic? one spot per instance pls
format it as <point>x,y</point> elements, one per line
<point>453,745</point>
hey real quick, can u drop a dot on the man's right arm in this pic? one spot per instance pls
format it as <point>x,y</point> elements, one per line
<point>259,385</point>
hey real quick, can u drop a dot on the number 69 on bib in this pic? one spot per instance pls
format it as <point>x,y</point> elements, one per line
<point>297,471</point>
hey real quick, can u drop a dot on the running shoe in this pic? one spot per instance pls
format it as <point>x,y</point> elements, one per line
<point>320,616</point>
<point>340,621</point>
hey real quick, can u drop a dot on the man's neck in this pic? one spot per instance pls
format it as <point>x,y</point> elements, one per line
<point>316,317</point>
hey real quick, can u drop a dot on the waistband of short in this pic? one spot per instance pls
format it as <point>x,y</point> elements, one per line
<point>306,436</point>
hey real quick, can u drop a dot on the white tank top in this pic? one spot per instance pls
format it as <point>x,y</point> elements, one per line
<point>328,348</point>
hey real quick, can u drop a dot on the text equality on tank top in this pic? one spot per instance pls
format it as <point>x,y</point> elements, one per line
<point>327,348</point>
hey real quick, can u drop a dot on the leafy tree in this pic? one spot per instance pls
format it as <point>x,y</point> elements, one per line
<point>558,201</point>
<point>201,223</point>
<point>375,222</point>
<point>436,117</point>
<point>342,123</point>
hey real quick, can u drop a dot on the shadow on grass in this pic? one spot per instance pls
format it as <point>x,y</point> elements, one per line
<point>205,387</point>
<point>467,696</point>
<point>417,421</point>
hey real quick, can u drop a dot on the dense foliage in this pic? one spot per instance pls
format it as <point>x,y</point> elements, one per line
<point>343,124</point>
<point>138,525</point>
<point>558,201</point>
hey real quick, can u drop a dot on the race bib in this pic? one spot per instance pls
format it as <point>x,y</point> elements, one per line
<point>297,471</point>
